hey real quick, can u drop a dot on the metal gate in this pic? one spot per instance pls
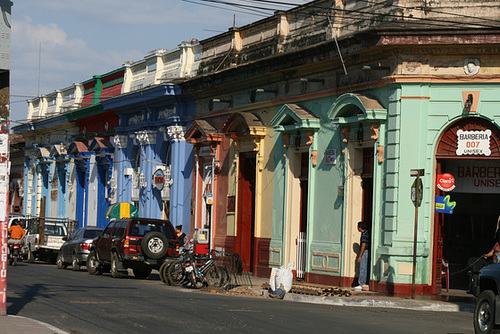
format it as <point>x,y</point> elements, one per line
<point>301,255</point>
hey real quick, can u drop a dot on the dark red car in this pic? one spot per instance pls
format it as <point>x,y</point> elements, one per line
<point>140,244</point>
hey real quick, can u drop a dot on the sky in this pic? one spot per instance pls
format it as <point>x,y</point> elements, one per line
<point>55,43</point>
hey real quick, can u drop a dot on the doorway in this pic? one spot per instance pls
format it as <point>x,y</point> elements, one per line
<point>245,225</point>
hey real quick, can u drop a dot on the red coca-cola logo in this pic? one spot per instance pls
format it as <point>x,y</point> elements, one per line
<point>446,182</point>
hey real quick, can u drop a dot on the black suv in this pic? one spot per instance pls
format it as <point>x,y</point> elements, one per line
<point>486,287</point>
<point>138,243</point>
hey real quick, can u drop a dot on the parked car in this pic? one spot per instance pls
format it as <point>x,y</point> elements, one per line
<point>137,243</point>
<point>76,248</point>
<point>47,246</point>
<point>487,288</point>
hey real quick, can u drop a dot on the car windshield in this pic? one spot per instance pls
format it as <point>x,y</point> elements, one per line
<point>54,230</point>
<point>91,234</point>
<point>140,229</point>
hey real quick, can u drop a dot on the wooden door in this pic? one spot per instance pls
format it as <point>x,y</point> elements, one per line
<point>246,209</point>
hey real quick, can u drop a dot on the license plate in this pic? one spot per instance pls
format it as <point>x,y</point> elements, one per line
<point>189,269</point>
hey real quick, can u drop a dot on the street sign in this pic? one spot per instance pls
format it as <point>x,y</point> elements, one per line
<point>414,192</point>
<point>416,172</point>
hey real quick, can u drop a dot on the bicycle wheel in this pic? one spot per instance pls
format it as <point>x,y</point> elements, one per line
<point>216,276</point>
<point>175,273</point>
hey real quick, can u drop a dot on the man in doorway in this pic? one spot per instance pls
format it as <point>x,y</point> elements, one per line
<point>363,257</point>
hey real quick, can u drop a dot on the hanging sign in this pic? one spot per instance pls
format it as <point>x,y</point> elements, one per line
<point>446,182</point>
<point>417,183</point>
<point>159,179</point>
<point>444,205</point>
<point>331,157</point>
<point>209,199</point>
<point>473,142</point>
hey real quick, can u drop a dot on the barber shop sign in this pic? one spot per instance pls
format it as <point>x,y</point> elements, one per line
<point>473,142</point>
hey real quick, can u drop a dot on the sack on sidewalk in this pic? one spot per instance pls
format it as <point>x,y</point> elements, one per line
<point>284,275</point>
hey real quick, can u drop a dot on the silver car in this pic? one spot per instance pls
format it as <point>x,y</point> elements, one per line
<point>75,249</point>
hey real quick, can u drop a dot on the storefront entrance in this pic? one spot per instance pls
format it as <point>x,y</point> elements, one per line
<point>469,153</point>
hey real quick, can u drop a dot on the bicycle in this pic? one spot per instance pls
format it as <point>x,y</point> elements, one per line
<point>186,272</point>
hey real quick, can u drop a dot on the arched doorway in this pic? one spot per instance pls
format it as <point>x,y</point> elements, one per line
<point>469,150</point>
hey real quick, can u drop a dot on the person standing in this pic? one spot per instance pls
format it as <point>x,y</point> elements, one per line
<point>183,239</point>
<point>364,256</point>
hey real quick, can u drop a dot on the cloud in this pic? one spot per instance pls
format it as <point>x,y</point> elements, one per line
<point>63,60</point>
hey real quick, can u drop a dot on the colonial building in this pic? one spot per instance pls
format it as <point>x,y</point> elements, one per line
<point>354,104</point>
<point>278,137</point>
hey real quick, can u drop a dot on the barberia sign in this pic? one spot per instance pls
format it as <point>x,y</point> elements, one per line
<point>473,142</point>
<point>476,176</point>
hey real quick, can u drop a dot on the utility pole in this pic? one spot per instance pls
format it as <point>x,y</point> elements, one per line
<point>5,28</point>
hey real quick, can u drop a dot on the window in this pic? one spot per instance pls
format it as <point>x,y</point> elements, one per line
<point>140,229</point>
<point>91,234</point>
<point>77,234</point>
<point>119,230</point>
<point>151,67</point>
<point>107,230</point>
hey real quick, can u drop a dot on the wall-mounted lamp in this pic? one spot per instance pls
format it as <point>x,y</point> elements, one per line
<point>359,134</point>
<point>468,103</point>
<point>253,94</point>
<point>306,80</point>
<point>217,166</point>
<point>375,68</point>
<point>142,181</point>
<point>219,101</point>
<point>297,141</point>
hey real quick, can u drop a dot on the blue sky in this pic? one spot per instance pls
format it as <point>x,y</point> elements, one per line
<point>82,38</point>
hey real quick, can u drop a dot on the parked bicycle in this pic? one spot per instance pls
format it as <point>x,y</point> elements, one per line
<point>190,271</point>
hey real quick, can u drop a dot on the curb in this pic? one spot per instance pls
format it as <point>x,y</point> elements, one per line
<point>407,304</point>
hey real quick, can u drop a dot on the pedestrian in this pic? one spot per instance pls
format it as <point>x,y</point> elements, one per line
<point>183,239</point>
<point>364,256</point>
<point>494,252</point>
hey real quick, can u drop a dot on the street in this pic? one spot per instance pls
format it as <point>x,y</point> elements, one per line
<point>80,303</point>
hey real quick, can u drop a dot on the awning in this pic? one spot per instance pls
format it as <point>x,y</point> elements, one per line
<point>121,210</point>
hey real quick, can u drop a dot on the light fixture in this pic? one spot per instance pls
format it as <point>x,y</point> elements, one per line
<point>253,94</point>
<point>219,101</point>
<point>306,80</point>
<point>168,176</point>
<point>297,141</point>
<point>468,103</point>
<point>375,68</point>
<point>142,180</point>
<point>359,134</point>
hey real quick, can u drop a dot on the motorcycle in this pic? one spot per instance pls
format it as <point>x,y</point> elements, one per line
<point>14,251</point>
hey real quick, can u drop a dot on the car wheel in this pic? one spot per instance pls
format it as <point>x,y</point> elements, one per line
<point>75,264</point>
<point>59,261</point>
<point>484,313</point>
<point>142,273</point>
<point>154,245</point>
<point>176,273</point>
<point>31,256</point>
<point>115,265</point>
<point>93,266</point>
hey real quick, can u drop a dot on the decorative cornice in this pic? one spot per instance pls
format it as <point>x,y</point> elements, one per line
<point>176,133</point>
<point>146,137</point>
<point>120,141</point>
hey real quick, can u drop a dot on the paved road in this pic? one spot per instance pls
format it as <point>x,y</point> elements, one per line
<point>79,303</point>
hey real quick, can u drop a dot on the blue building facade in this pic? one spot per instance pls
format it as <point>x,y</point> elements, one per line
<point>153,162</point>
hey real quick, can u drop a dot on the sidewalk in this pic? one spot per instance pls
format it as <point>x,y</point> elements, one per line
<point>454,301</point>
<point>13,324</point>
